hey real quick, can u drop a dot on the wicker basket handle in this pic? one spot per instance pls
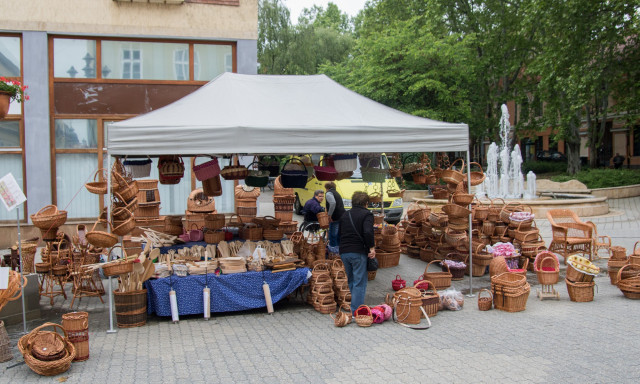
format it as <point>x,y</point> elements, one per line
<point>304,168</point>
<point>120,209</point>
<point>496,199</point>
<point>477,164</point>
<point>634,247</point>
<point>47,206</point>
<point>455,161</point>
<point>100,172</point>
<point>621,269</point>
<point>485,290</point>
<point>429,263</point>
<point>34,333</point>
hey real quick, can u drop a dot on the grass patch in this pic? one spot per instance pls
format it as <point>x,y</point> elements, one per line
<point>603,177</point>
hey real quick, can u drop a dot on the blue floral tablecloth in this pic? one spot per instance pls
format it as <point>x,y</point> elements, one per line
<point>235,292</point>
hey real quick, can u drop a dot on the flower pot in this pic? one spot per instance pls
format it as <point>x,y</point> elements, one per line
<point>5,100</point>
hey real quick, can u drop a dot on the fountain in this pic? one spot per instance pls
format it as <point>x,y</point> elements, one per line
<point>504,179</point>
<point>508,182</point>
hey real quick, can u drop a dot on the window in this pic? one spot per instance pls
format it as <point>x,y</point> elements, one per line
<point>74,58</point>
<point>181,63</point>
<point>10,56</point>
<point>11,126</point>
<point>144,60</point>
<point>131,64</point>
<point>213,59</point>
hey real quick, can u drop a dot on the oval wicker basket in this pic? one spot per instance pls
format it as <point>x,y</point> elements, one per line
<point>453,176</point>
<point>98,186</point>
<point>46,368</point>
<point>49,217</point>
<point>363,316</point>
<point>273,234</point>
<point>101,239</point>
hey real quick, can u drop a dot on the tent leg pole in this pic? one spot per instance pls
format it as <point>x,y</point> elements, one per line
<point>470,232</point>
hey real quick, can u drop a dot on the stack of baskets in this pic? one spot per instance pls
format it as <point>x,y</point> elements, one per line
<point>629,281</point>
<point>48,219</point>
<point>213,224</point>
<point>340,283</point>
<point>270,228</point>
<point>579,278</point>
<point>283,206</point>
<point>246,202</point>
<point>617,260</point>
<point>322,296</point>
<point>47,353</point>
<point>510,292</point>
<point>388,252</point>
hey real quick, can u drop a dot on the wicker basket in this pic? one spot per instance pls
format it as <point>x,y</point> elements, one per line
<point>343,316</point>
<point>284,215</point>
<point>580,292</point>
<point>213,236</point>
<point>117,268</point>
<point>453,210</point>
<point>407,305</point>
<point>214,221</point>
<point>477,177</point>
<point>485,303</point>
<point>101,239</point>
<point>273,234</point>
<point>514,300</point>
<point>547,268</point>
<point>251,231</point>
<point>49,217</point>
<point>441,279</point>
<point>99,184</point>
<point>629,284</point>
<point>430,297</point>
<point>46,368</point>
<point>363,316</point>
<point>131,308</point>
<point>77,326</point>
<point>388,259</point>
<point>453,176</point>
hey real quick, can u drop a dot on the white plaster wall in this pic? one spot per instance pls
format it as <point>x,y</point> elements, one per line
<point>108,17</point>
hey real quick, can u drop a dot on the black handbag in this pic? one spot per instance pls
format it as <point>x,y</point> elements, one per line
<point>372,264</point>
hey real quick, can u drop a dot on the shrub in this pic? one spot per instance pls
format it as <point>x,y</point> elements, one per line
<point>603,177</point>
<point>541,167</point>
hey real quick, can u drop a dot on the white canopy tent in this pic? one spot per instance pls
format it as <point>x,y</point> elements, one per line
<point>259,114</point>
<point>262,114</point>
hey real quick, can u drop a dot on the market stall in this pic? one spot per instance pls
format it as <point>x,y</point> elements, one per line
<point>248,114</point>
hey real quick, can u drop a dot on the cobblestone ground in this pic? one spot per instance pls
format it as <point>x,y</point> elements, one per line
<point>551,341</point>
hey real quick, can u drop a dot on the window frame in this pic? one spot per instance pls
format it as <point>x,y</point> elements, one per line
<point>20,118</point>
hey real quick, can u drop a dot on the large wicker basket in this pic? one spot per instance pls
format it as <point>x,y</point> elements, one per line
<point>131,308</point>
<point>46,368</point>
<point>441,279</point>
<point>77,326</point>
<point>580,292</point>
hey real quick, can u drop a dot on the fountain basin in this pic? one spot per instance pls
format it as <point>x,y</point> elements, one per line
<point>583,205</point>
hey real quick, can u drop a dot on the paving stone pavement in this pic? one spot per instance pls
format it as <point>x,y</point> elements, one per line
<point>551,341</point>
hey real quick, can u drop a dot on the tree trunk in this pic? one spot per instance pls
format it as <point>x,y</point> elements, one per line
<point>572,145</point>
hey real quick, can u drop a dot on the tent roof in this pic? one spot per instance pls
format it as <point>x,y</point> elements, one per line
<point>258,114</point>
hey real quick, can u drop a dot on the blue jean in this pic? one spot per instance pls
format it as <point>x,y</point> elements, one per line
<point>334,240</point>
<point>355,265</point>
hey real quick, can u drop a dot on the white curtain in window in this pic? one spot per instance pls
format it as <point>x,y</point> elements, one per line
<point>12,163</point>
<point>73,170</point>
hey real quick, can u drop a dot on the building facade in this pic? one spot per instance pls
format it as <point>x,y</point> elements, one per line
<point>91,62</point>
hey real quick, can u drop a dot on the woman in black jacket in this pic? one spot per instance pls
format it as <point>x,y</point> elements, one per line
<point>356,244</point>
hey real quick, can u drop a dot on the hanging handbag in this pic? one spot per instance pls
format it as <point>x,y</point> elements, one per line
<point>138,168</point>
<point>372,264</point>
<point>199,202</point>
<point>206,170</point>
<point>170,169</point>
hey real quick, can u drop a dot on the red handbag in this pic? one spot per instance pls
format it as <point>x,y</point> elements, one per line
<point>195,234</point>
<point>398,283</point>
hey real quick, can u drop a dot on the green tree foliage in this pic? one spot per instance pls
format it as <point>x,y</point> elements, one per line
<point>408,68</point>
<point>321,36</point>
<point>582,55</point>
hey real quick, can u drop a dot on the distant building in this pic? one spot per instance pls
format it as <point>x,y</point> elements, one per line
<point>91,62</point>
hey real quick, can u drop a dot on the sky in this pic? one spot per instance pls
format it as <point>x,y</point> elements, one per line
<point>350,7</point>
